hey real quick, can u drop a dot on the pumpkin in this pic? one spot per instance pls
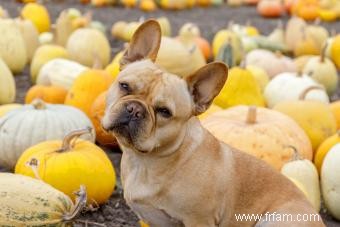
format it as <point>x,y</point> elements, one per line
<point>39,16</point>
<point>12,46</point>
<point>7,84</point>
<point>212,109</point>
<point>330,178</point>
<point>299,186</point>
<point>306,45</point>
<point>278,34</point>
<point>241,88</point>
<point>4,109</point>
<point>327,15</point>
<point>322,70</point>
<point>314,117</point>
<point>335,107</point>
<point>96,114</point>
<point>31,202</point>
<point>222,37</point>
<point>335,51</point>
<point>264,133</point>
<point>260,76</point>
<point>60,72</point>
<point>30,35</point>
<point>301,61</point>
<point>299,87</point>
<point>64,25</point>
<point>117,29</point>
<point>44,54</point>
<point>204,46</point>
<point>273,64</point>
<point>147,5</point>
<point>79,49</point>
<point>177,58</point>
<point>114,67</point>
<point>304,171</point>
<point>50,94</point>
<point>188,39</point>
<point>308,11</point>
<point>318,34</point>
<point>46,38</point>
<point>41,122</point>
<point>87,87</point>
<point>294,31</point>
<point>270,8</point>
<point>324,148</point>
<point>76,160</point>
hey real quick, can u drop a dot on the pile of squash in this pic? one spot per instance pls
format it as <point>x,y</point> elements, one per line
<point>275,105</point>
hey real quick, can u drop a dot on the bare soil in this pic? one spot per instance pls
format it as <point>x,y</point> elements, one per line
<point>116,213</point>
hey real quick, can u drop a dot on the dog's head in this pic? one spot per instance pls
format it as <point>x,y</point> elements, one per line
<point>147,107</point>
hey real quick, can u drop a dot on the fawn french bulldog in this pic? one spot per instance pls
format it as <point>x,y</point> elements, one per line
<point>174,172</point>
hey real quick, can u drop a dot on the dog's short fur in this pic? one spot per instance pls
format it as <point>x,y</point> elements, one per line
<point>174,172</point>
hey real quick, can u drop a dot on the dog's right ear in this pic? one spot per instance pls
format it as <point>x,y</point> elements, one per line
<point>144,44</point>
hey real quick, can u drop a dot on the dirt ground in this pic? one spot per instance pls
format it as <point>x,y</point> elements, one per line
<point>116,213</point>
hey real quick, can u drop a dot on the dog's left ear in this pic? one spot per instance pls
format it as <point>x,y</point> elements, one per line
<point>205,84</point>
<point>144,44</point>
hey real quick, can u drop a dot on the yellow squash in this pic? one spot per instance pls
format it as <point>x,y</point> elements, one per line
<point>39,16</point>
<point>241,88</point>
<point>29,202</point>
<point>68,164</point>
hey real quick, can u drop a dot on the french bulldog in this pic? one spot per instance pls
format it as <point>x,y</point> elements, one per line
<point>173,171</point>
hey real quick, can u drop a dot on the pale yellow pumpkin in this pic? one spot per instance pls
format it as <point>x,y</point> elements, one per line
<point>264,133</point>
<point>4,109</point>
<point>68,164</point>
<point>44,54</point>
<point>305,173</point>
<point>7,84</point>
<point>314,117</point>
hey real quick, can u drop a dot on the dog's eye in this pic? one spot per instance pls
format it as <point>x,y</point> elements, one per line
<point>165,112</point>
<point>124,86</point>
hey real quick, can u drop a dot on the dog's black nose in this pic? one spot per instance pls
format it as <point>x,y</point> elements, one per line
<point>135,110</point>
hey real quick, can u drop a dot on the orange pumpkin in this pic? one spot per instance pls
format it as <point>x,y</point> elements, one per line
<point>204,46</point>
<point>335,107</point>
<point>309,12</point>
<point>87,86</point>
<point>251,2</point>
<point>270,8</point>
<point>50,94</point>
<point>96,115</point>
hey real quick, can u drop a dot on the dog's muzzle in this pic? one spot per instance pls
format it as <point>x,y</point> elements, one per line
<point>128,120</point>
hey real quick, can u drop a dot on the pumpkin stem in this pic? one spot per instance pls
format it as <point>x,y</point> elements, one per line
<point>34,164</point>
<point>304,93</point>
<point>296,155</point>
<point>38,104</point>
<point>251,116</point>
<point>323,52</point>
<point>79,206</point>
<point>73,136</point>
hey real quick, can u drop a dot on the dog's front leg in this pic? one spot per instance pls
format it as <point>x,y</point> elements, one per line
<point>155,217</point>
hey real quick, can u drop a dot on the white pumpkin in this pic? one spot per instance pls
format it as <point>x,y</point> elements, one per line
<point>31,124</point>
<point>60,72</point>
<point>26,201</point>
<point>30,35</point>
<point>12,46</point>
<point>7,84</point>
<point>272,63</point>
<point>305,172</point>
<point>85,45</point>
<point>330,181</point>
<point>292,86</point>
